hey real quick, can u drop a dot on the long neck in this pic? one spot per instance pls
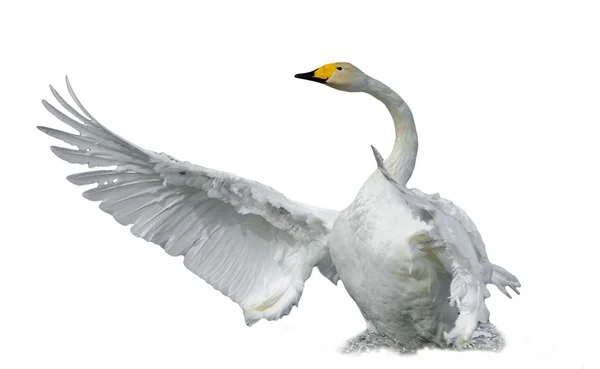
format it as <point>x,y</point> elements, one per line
<point>403,157</point>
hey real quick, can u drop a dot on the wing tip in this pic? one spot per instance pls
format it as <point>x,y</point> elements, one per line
<point>378,158</point>
<point>73,179</point>
<point>69,86</point>
<point>57,150</point>
<point>43,129</point>
<point>51,108</point>
<point>381,165</point>
<point>503,290</point>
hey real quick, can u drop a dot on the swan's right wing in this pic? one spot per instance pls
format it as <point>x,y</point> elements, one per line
<point>451,242</point>
<point>245,239</point>
<point>494,274</point>
<point>455,229</point>
<point>452,210</point>
<point>446,229</point>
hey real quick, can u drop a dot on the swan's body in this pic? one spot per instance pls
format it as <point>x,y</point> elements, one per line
<point>411,262</point>
<point>400,292</point>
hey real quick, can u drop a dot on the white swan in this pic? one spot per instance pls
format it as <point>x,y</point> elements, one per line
<point>410,261</point>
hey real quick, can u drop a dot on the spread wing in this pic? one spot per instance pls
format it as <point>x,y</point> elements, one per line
<point>248,241</point>
<point>455,230</point>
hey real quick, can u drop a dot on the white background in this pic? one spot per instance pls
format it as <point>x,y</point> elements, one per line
<point>506,103</point>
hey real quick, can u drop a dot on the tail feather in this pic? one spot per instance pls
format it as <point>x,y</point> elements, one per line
<point>501,278</point>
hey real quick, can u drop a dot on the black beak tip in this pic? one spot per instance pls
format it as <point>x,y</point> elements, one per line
<point>310,76</point>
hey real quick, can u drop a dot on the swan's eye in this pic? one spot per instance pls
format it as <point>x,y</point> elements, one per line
<point>339,68</point>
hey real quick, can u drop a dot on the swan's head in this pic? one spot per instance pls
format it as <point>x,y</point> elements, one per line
<point>341,76</point>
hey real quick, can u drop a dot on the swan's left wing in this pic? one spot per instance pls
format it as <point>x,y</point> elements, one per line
<point>492,273</point>
<point>248,241</point>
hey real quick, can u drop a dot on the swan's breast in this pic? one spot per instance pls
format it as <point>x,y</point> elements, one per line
<point>378,222</point>
<point>369,242</point>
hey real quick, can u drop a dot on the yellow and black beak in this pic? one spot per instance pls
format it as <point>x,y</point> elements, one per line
<point>320,74</point>
<point>310,76</point>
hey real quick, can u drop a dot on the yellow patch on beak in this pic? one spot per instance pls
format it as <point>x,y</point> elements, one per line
<point>325,71</point>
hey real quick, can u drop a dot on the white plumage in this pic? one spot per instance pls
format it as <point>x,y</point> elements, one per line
<point>410,261</point>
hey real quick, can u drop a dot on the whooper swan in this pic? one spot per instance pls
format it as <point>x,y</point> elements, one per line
<point>415,264</point>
